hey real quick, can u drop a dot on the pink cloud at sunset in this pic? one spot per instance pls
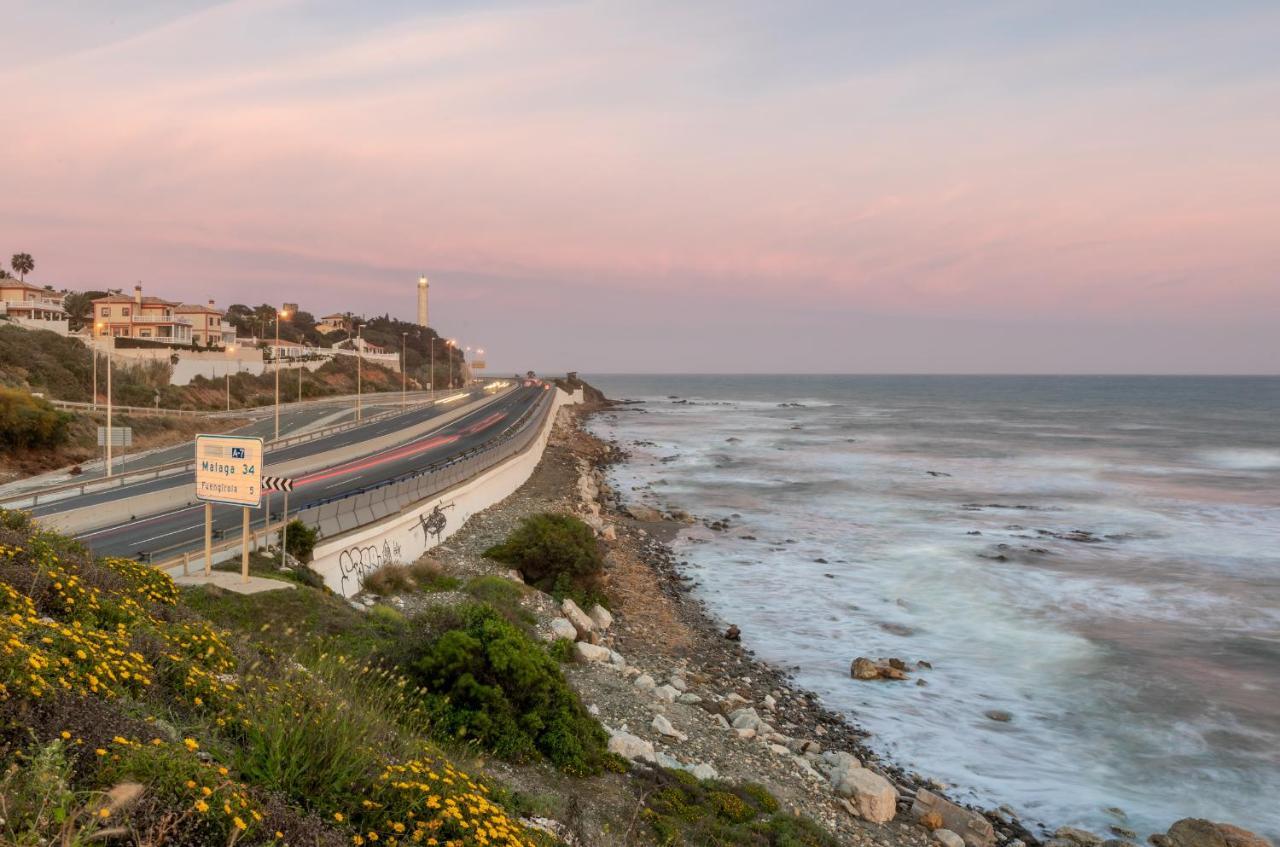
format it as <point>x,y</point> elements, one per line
<point>811,168</point>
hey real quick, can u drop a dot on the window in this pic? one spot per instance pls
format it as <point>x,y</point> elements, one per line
<point>125,311</point>
<point>106,311</point>
<point>146,333</point>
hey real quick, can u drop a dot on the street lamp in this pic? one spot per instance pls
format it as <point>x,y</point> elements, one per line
<point>231,351</point>
<point>283,314</point>
<point>451,343</point>
<point>102,325</point>
<point>359,369</point>
<point>431,376</point>
<point>404,370</point>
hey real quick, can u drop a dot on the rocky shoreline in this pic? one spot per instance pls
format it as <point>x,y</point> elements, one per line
<point>675,687</point>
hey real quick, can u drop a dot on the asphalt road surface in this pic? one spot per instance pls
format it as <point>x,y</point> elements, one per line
<point>183,528</point>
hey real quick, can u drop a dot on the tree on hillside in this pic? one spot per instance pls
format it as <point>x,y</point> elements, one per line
<point>79,307</point>
<point>22,264</point>
<point>240,316</point>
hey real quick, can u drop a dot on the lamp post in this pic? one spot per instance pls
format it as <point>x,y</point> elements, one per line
<point>359,369</point>
<point>280,315</point>
<point>103,325</point>
<point>431,376</point>
<point>94,349</point>
<point>404,371</point>
<point>231,351</point>
<point>450,344</point>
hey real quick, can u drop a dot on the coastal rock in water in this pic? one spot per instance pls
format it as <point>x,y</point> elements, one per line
<point>584,652</point>
<point>869,669</point>
<point>864,668</point>
<point>1001,716</point>
<point>947,838</point>
<point>976,830</point>
<point>646,514</point>
<point>1070,836</point>
<point>631,747</point>
<point>601,617</point>
<point>733,633</point>
<point>580,620</point>
<point>873,796</point>
<point>1197,832</point>
<point>562,628</point>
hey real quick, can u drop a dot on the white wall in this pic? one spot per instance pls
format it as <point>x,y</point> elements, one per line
<point>346,560</point>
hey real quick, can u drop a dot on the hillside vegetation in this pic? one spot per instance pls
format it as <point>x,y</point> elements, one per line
<point>62,369</point>
<point>127,717</point>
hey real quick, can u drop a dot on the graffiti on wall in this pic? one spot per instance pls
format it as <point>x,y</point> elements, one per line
<point>356,563</point>
<point>433,524</point>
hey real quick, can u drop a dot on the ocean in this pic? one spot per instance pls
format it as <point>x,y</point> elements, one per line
<point>1097,556</point>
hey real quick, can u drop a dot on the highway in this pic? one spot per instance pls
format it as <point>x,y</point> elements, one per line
<point>295,418</point>
<point>183,528</point>
<point>337,440</point>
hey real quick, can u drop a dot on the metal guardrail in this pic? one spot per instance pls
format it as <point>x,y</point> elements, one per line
<point>373,503</point>
<point>99,483</point>
<point>156,411</point>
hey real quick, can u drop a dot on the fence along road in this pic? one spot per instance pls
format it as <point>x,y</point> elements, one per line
<point>445,455</point>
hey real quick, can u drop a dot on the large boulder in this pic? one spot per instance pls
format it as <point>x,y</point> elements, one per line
<point>600,617</point>
<point>947,838</point>
<point>867,669</point>
<point>647,514</point>
<point>561,628</point>
<point>631,747</point>
<point>581,620</point>
<point>1198,832</point>
<point>872,796</point>
<point>976,830</point>
<point>584,652</point>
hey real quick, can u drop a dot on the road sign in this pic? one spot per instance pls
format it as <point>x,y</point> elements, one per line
<point>121,436</point>
<point>229,469</point>
<point>277,483</point>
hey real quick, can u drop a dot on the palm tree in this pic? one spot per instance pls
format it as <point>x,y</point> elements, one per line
<point>4,274</point>
<point>22,264</point>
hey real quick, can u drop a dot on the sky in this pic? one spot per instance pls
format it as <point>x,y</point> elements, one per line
<point>737,186</point>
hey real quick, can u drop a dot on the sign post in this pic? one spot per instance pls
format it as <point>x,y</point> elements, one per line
<point>285,484</point>
<point>228,470</point>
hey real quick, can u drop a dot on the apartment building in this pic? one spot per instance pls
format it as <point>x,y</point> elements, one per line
<point>208,325</point>
<point>32,306</point>
<point>151,318</point>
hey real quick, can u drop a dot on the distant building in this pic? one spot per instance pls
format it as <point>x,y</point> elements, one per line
<point>152,318</point>
<point>31,306</point>
<point>333,323</point>
<point>209,327</point>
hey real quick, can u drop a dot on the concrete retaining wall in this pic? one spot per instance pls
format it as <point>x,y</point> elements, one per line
<point>345,560</point>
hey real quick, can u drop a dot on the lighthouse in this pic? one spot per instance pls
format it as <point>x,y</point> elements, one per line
<point>422,300</point>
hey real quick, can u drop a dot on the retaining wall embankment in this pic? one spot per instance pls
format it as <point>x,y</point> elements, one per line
<point>346,559</point>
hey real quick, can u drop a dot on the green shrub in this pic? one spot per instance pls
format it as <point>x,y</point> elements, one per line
<point>682,810</point>
<point>556,553</point>
<point>489,682</point>
<point>430,576</point>
<point>300,540</point>
<point>28,422</point>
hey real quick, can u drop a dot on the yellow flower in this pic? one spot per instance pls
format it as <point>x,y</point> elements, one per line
<point>240,825</point>
<point>65,735</point>
<point>104,812</point>
<point>191,744</point>
<point>202,806</point>
<point>100,752</point>
<point>337,816</point>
